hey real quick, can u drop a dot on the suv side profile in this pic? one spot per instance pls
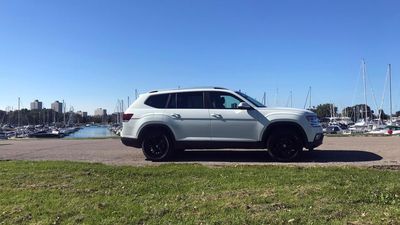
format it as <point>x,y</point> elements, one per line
<point>164,123</point>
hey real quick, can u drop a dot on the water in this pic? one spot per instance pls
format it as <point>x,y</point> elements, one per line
<point>92,132</point>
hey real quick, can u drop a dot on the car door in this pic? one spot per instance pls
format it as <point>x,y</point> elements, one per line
<point>228,123</point>
<point>188,116</point>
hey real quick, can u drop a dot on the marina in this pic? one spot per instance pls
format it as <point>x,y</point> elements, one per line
<point>39,131</point>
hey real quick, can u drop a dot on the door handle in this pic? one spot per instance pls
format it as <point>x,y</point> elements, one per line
<point>175,115</point>
<point>216,115</point>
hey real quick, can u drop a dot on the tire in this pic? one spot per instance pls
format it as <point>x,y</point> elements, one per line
<point>157,146</point>
<point>284,146</point>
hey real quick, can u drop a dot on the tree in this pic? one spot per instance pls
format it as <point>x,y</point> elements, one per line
<point>357,111</point>
<point>326,110</point>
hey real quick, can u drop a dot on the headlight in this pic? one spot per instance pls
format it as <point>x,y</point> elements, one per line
<point>313,120</point>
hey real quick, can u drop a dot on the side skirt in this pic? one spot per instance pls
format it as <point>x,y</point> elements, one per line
<point>218,144</point>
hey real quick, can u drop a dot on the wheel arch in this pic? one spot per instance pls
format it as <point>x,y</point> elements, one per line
<point>158,126</point>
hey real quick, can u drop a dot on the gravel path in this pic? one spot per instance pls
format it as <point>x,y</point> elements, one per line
<point>358,151</point>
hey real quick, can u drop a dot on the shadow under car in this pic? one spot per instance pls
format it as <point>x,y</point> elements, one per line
<point>316,156</point>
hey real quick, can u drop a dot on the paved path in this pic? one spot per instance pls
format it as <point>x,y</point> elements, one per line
<point>360,151</point>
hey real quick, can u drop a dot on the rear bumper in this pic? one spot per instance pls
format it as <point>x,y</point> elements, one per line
<point>132,142</point>
<point>317,141</point>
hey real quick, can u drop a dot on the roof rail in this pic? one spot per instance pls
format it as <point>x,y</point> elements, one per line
<point>218,88</point>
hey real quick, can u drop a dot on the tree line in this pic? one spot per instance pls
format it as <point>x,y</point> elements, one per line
<point>354,112</point>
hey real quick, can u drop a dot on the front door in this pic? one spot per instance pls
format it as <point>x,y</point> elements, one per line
<point>228,123</point>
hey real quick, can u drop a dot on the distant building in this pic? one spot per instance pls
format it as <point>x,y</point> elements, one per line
<point>100,112</point>
<point>83,114</point>
<point>36,105</point>
<point>57,106</point>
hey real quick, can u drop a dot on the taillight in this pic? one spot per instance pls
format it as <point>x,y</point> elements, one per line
<point>127,116</point>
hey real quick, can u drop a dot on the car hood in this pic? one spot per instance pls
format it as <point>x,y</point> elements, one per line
<point>283,110</point>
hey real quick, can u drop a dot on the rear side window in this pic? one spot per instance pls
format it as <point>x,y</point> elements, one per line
<point>157,101</point>
<point>190,100</point>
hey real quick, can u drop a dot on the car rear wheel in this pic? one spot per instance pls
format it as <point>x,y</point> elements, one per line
<point>284,146</point>
<point>157,146</point>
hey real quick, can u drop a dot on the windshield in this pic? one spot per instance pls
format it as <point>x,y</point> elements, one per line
<point>250,99</point>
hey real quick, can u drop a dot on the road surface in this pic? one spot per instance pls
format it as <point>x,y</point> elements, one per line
<point>358,151</point>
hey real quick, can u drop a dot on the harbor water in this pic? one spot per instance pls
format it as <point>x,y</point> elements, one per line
<point>92,132</point>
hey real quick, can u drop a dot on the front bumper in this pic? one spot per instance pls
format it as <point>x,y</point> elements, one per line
<point>319,137</point>
<point>132,142</point>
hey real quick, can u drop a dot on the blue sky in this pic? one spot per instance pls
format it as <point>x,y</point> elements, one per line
<point>91,53</point>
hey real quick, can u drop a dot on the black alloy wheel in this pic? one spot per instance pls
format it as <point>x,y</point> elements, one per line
<point>284,146</point>
<point>157,146</point>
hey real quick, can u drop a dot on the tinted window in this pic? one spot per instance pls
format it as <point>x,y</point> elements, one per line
<point>172,101</point>
<point>190,100</point>
<point>157,101</point>
<point>221,100</point>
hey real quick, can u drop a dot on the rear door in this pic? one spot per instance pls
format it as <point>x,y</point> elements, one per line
<point>228,123</point>
<point>188,116</point>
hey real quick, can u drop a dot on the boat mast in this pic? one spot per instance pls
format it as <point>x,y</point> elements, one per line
<point>63,110</point>
<point>390,90</point>
<point>309,106</point>
<point>308,98</point>
<point>19,111</point>
<point>365,89</point>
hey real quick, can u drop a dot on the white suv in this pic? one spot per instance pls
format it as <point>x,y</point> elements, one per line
<point>163,123</point>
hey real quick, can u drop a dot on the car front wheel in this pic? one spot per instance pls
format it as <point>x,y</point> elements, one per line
<point>284,146</point>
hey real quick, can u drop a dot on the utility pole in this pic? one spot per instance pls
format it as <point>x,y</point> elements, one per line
<point>136,94</point>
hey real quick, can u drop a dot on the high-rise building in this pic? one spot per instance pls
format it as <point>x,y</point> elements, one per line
<point>100,112</point>
<point>36,105</point>
<point>57,106</point>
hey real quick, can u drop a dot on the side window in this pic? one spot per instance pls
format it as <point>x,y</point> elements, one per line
<point>190,100</point>
<point>157,101</point>
<point>172,101</point>
<point>221,100</point>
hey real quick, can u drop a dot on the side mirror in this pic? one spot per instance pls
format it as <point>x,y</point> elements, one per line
<point>244,105</point>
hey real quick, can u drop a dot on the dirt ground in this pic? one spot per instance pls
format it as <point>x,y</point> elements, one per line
<point>357,151</point>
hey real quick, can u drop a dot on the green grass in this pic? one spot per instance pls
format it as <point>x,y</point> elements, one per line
<point>82,193</point>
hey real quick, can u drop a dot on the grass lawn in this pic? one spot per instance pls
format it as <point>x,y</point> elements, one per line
<point>83,193</point>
